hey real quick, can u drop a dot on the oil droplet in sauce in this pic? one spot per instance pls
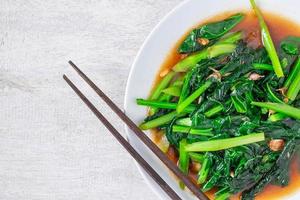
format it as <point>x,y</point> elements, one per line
<point>279,28</point>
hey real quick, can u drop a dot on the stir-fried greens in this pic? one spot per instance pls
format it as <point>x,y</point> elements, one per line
<point>231,108</point>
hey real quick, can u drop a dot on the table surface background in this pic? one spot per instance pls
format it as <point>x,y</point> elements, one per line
<point>51,145</point>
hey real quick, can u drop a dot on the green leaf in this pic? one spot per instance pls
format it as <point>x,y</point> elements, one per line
<point>210,32</point>
<point>174,138</point>
<point>239,104</point>
<point>271,95</point>
<point>290,45</point>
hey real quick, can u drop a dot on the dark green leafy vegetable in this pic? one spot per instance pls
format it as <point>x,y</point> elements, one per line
<point>159,113</point>
<point>174,138</point>
<point>239,104</point>
<point>271,94</point>
<point>242,59</point>
<point>210,32</point>
<point>286,57</point>
<point>277,174</point>
<point>228,108</point>
<point>291,45</point>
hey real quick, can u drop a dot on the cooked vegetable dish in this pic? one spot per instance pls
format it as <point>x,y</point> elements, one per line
<point>231,111</point>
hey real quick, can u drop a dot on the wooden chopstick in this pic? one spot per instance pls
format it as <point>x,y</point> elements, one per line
<point>143,137</point>
<point>172,194</point>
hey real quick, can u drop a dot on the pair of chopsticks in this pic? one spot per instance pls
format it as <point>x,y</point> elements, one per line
<point>140,134</point>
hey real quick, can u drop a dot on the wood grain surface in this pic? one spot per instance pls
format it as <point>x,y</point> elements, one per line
<point>51,145</point>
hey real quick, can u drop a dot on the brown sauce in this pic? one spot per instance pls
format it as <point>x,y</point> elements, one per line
<point>279,28</point>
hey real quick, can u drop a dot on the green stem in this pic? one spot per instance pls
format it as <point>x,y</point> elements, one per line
<point>294,87</point>
<point>211,52</point>
<point>293,74</point>
<point>166,105</point>
<point>190,61</point>
<point>220,194</point>
<point>261,66</point>
<point>280,108</point>
<point>185,87</point>
<point>183,159</point>
<point>184,121</point>
<point>162,85</point>
<point>193,131</point>
<point>231,38</point>
<point>158,121</point>
<point>162,98</point>
<point>173,91</point>
<point>267,41</point>
<point>221,144</point>
<point>193,96</point>
<point>213,111</point>
<point>217,109</point>
<point>277,117</point>
<point>197,157</point>
<point>239,105</point>
<point>224,196</point>
<point>205,168</point>
<point>272,95</point>
<point>178,81</point>
<point>220,49</point>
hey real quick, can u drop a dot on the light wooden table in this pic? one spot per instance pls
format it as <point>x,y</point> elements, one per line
<point>51,145</point>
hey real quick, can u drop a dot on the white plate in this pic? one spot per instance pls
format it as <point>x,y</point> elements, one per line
<point>156,48</point>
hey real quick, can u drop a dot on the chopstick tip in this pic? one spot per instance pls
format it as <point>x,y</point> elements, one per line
<point>65,77</point>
